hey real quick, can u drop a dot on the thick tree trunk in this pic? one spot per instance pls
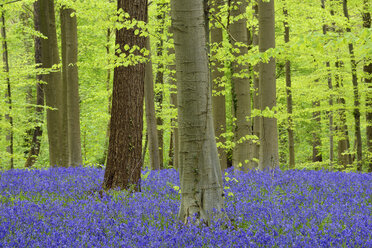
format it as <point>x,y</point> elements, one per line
<point>124,161</point>
<point>269,148</point>
<point>38,131</point>
<point>317,143</point>
<point>218,98</point>
<point>8,92</point>
<point>53,88</point>
<point>70,80</point>
<point>289,96</point>
<point>242,153</point>
<point>256,94</point>
<point>367,69</point>
<point>150,113</point>
<point>356,111</point>
<point>200,171</point>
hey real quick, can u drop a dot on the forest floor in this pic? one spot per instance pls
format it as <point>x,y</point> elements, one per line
<point>63,207</point>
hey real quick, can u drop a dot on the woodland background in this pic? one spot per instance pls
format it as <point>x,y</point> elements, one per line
<point>316,56</point>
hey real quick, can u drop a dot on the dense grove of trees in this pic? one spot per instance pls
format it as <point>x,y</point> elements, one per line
<point>248,84</point>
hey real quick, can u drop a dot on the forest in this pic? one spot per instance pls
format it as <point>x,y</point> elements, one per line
<point>187,123</point>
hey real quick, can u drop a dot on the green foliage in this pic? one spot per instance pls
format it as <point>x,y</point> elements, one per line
<point>308,50</point>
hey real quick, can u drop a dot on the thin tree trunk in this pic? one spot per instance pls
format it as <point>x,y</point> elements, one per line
<point>173,101</point>
<point>367,69</point>
<point>200,172</point>
<point>356,112</point>
<point>27,137</point>
<point>124,161</point>
<point>108,83</point>
<point>8,92</point>
<point>256,94</point>
<point>152,131</point>
<point>343,149</point>
<point>218,98</point>
<point>330,113</point>
<point>289,96</point>
<point>269,148</point>
<point>317,143</point>
<point>38,131</point>
<point>159,81</point>
<point>53,88</point>
<point>70,79</point>
<point>242,154</point>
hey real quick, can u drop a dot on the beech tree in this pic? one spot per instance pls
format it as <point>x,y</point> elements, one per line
<point>242,153</point>
<point>218,98</point>
<point>289,95</point>
<point>367,69</point>
<point>150,114</point>
<point>269,153</point>
<point>199,168</point>
<point>38,131</point>
<point>70,84</point>
<point>124,160</point>
<point>8,94</point>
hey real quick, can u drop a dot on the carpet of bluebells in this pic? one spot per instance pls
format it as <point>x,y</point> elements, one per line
<point>60,207</point>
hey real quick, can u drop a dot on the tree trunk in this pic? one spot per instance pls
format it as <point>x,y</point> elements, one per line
<point>108,83</point>
<point>367,69</point>
<point>27,137</point>
<point>330,113</point>
<point>173,101</point>
<point>124,161</point>
<point>53,87</point>
<point>242,154</point>
<point>70,80</point>
<point>289,96</point>
<point>150,113</point>
<point>256,94</point>
<point>38,131</point>
<point>317,143</point>
<point>8,92</point>
<point>159,82</point>
<point>269,151</point>
<point>200,171</point>
<point>343,146</point>
<point>218,98</point>
<point>356,111</point>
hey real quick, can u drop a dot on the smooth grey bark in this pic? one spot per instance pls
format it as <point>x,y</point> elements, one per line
<point>199,168</point>
<point>152,131</point>
<point>242,153</point>
<point>71,84</point>
<point>256,93</point>
<point>288,81</point>
<point>269,148</point>
<point>8,93</point>
<point>356,111</point>
<point>218,98</point>
<point>38,131</point>
<point>53,86</point>
<point>367,69</point>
